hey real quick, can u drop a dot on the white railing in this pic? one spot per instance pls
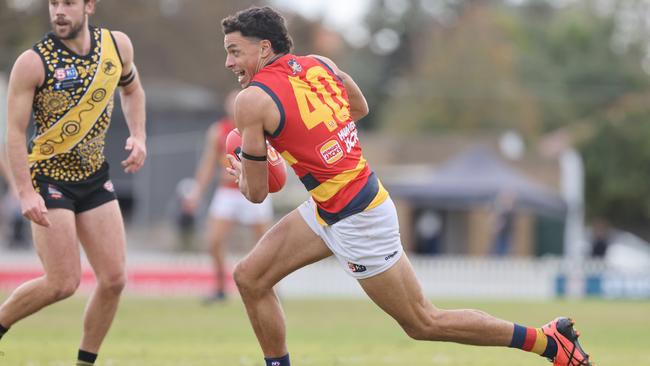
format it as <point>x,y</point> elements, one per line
<point>439,277</point>
<point>443,277</point>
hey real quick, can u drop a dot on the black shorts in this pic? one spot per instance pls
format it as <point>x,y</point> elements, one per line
<point>77,196</point>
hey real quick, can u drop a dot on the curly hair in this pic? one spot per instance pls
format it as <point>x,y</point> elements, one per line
<point>262,23</point>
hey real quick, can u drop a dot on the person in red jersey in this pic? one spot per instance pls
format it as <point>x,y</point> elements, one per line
<point>307,109</point>
<point>228,206</point>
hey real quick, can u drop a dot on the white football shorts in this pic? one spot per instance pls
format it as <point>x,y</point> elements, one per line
<point>230,204</point>
<point>366,244</point>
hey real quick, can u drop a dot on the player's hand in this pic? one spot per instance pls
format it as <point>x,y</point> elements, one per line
<point>235,168</point>
<point>33,208</point>
<point>138,154</point>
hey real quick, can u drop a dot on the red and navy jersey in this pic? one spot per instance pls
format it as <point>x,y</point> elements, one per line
<point>317,136</point>
<point>224,126</point>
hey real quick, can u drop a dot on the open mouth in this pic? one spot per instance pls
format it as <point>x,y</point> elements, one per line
<point>240,75</point>
<point>61,22</point>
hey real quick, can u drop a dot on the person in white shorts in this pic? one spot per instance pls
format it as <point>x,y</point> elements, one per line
<point>366,244</point>
<point>307,109</point>
<point>228,207</point>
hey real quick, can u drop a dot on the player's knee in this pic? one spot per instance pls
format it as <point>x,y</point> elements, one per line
<point>245,279</point>
<point>426,328</point>
<point>421,332</point>
<point>62,289</point>
<point>240,277</point>
<point>113,283</point>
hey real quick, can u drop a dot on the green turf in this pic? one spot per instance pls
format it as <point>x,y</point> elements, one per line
<point>181,332</point>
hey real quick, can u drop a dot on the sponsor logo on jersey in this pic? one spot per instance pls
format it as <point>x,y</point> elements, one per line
<point>296,68</point>
<point>331,151</point>
<point>390,255</point>
<point>109,67</point>
<point>62,74</point>
<point>356,268</point>
<point>348,135</point>
<point>54,192</point>
<point>272,156</point>
<point>109,186</point>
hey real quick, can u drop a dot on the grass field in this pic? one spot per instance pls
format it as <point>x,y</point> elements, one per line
<point>181,332</point>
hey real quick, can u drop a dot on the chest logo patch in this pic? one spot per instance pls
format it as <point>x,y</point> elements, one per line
<point>331,152</point>
<point>62,74</point>
<point>109,67</point>
<point>296,68</point>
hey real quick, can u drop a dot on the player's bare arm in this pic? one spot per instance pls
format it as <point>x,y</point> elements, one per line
<point>205,170</point>
<point>358,105</point>
<point>133,104</point>
<point>255,112</point>
<point>27,74</point>
<point>5,172</point>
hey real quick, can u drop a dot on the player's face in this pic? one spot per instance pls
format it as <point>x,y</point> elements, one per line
<point>68,17</point>
<point>243,56</point>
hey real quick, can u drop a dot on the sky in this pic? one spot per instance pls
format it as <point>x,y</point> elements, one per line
<point>344,16</point>
<point>335,13</point>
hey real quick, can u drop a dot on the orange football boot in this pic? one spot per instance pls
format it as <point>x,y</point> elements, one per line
<point>569,351</point>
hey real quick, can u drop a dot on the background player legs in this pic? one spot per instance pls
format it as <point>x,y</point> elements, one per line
<point>218,230</point>
<point>101,231</point>
<point>398,293</point>
<point>288,245</point>
<point>58,250</point>
<point>259,229</point>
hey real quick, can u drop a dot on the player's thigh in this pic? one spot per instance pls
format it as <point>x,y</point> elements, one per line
<point>101,231</point>
<point>258,229</point>
<point>57,245</point>
<point>289,245</point>
<point>398,292</point>
<point>218,229</point>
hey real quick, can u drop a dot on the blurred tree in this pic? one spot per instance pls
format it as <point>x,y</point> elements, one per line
<point>20,27</point>
<point>574,63</point>
<point>394,28</point>
<point>176,39</point>
<point>617,174</point>
<point>466,75</point>
<point>567,62</point>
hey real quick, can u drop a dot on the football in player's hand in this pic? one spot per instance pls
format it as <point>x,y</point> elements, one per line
<point>276,165</point>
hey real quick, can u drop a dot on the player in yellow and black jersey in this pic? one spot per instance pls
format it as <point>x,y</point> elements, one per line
<point>67,81</point>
